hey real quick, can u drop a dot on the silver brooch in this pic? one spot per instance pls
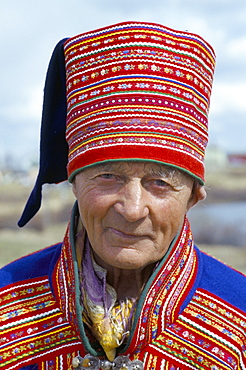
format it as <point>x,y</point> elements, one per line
<point>94,363</point>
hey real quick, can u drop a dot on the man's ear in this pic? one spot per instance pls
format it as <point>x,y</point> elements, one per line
<point>198,194</point>
<point>74,187</point>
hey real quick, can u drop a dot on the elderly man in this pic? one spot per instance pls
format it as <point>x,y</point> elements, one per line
<point>127,288</point>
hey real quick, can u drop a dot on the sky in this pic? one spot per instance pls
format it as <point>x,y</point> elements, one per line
<point>30,29</point>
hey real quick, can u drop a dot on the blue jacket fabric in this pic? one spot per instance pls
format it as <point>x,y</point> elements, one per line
<point>191,314</point>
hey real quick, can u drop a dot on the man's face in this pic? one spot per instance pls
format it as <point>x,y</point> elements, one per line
<point>132,210</point>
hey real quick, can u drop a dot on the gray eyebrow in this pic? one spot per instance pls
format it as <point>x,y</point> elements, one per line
<point>164,171</point>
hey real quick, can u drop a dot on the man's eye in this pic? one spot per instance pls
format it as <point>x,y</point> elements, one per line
<point>160,183</point>
<point>107,176</point>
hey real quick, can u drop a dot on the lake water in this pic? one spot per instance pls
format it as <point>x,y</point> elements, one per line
<point>222,223</point>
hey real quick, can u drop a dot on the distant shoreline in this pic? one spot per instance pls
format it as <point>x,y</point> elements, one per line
<point>225,196</point>
<point>228,185</point>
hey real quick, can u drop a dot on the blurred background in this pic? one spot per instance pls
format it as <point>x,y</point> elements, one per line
<point>29,33</point>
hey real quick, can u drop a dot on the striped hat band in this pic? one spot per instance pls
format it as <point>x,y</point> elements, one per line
<point>138,91</point>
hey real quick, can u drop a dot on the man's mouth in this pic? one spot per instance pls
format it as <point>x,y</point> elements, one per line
<point>129,235</point>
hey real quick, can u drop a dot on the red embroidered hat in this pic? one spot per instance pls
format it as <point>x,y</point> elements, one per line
<point>138,91</point>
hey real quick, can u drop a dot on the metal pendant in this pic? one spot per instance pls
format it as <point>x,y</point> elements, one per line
<point>90,362</point>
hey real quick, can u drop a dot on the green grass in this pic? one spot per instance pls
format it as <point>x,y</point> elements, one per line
<point>20,242</point>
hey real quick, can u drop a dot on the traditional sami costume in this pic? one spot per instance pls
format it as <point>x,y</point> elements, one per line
<point>190,315</point>
<point>131,91</point>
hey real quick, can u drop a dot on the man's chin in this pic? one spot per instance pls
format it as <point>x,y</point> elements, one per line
<point>126,258</point>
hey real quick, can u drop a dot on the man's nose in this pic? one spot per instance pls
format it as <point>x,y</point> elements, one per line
<point>132,202</point>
